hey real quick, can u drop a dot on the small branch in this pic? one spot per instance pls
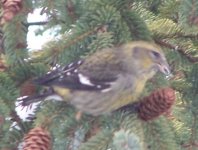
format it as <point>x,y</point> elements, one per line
<point>179,49</point>
<point>35,23</point>
<point>191,36</point>
<point>192,143</point>
<point>193,129</point>
<point>82,36</point>
<point>71,10</point>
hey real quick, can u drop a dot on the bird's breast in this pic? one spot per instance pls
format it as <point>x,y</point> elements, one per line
<point>63,92</point>
<point>129,95</point>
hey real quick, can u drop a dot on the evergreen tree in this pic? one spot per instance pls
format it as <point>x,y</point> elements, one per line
<point>81,28</point>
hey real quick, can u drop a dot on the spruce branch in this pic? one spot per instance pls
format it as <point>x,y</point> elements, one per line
<point>71,10</point>
<point>182,51</point>
<point>191,36</point>
<point>80,37</point>
<point>193,18</point>
<point>192,141</point>
<point>38,23</point>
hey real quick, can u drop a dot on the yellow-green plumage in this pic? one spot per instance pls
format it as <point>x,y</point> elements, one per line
<point>130,63</point>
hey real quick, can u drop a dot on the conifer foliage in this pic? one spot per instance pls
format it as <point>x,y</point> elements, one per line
<point>82,27</point>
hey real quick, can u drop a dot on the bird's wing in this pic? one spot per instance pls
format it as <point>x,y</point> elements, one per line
<point>73,78</point>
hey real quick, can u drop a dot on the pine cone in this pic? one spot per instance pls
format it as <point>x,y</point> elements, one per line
<point>10,9</point>
<point>157,103</point>
<point>2,65</point>
<point>1,120</point>
<point>37,139</point>
<point>27,88</point>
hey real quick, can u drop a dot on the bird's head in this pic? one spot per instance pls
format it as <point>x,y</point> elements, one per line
<point>147,58</point>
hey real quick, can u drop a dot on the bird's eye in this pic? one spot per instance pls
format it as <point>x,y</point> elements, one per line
<point>155,54</point>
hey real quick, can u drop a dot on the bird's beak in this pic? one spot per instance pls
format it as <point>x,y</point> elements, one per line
<point>164,68</point>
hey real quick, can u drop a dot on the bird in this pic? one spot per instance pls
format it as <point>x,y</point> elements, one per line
<point>103,81</point>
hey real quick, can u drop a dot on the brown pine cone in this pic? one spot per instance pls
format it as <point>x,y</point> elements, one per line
<point>157,103</point>
<point>2,120</point>
<point>10,9</point>
<point>37,139</point>
<point>27,88</point>
<point>2,65</point>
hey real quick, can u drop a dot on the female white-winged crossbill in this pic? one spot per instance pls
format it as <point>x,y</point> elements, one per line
<point>106,80</point>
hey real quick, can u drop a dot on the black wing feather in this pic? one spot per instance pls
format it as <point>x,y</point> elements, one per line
<point>68,77</point>
<point>56,73</point>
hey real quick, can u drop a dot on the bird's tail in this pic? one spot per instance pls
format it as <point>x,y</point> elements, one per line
<point>28,100</point>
